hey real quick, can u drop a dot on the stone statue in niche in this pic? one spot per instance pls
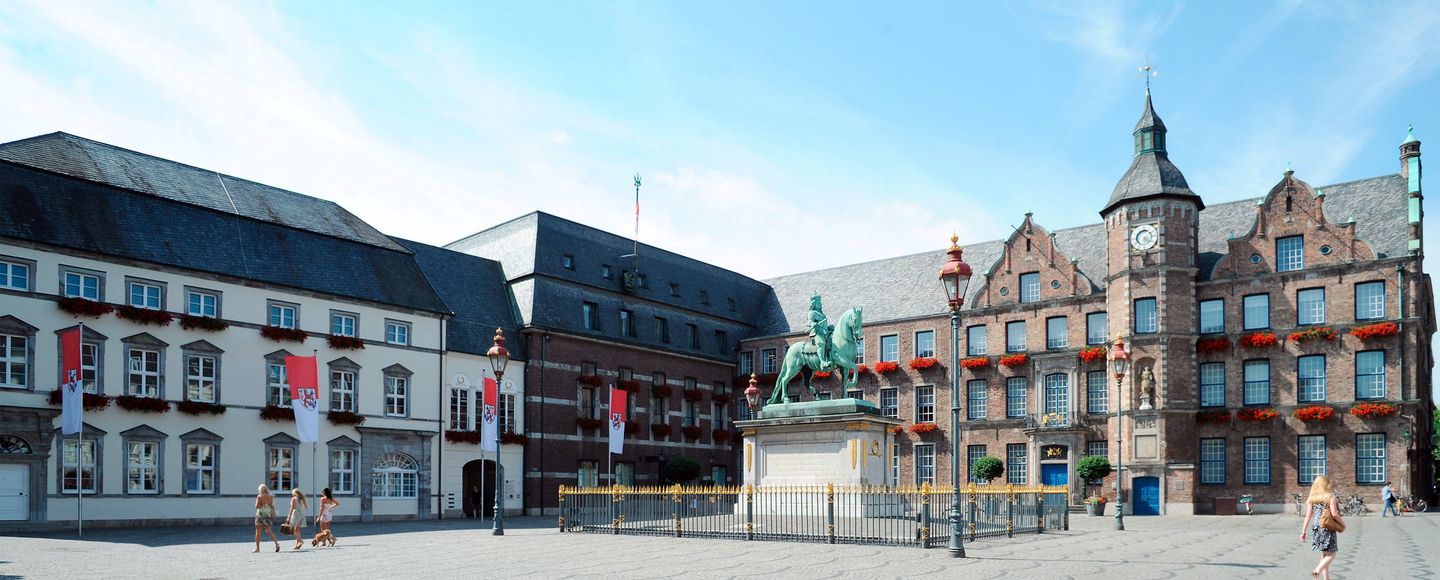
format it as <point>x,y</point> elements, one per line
<point>1147,390</point>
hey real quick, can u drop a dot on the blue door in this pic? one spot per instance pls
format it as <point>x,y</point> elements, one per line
<point>1054,474</point>
<point>1147,496</point>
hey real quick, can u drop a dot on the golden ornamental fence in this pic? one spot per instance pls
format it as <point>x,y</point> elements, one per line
<point>906,516</point>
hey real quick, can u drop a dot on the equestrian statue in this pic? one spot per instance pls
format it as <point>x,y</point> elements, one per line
<point>827,347</point>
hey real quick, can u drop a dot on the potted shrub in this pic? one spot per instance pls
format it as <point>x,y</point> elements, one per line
<point>1091,468</point>
<point>987,468</point>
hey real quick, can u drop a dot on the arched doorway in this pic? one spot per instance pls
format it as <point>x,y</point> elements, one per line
<point>480,474</point>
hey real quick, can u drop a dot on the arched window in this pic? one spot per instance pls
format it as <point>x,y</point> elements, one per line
<point>395,475</point>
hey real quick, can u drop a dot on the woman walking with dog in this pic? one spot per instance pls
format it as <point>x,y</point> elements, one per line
<point>265,517</point>
<point>295,521</point>
<point>328,503</point>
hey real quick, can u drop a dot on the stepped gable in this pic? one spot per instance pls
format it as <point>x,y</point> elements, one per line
<point>1031,249</point>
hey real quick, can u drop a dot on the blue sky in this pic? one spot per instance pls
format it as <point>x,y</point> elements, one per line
<point>893,124</point>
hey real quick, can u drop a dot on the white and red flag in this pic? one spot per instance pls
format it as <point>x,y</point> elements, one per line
<point>618,414</point>
<point>304,396</point>
<point>489,416</point>
<point>72,390</point>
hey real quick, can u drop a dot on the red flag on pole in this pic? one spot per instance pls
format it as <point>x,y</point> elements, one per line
<point>618,413</point>
<point>489,424</point>
<point>304,396</point>
<point>72,391</point>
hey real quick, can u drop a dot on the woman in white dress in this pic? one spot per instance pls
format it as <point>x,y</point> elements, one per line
<point>296,519</point>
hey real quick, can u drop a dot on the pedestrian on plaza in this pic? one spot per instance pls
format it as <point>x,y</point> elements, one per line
<point>296,518</point>
<point>265,517</point>
<point>475,501</point>
<point>328,503</point>
<point>1387,495</point>
<point>1322,540</point>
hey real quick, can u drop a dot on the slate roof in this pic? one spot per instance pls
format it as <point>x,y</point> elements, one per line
<point>103,163</point>
<point>908,287</point>
<point>1149,118</point>
<point>69,212</point>
<point>474,289</point>
<point>1151,173</point>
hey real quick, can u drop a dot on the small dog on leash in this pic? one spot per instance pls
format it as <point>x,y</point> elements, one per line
<point>324,537</point>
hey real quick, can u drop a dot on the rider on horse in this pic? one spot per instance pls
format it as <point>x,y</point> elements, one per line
<point>819,328</point>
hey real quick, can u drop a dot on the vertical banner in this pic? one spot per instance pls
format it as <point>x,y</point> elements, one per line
<point>72,390</point>
<point>489,427</point>
<point>618,412</point>
<point>304,396</point>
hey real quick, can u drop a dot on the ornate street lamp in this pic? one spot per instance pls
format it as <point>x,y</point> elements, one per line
<point>955,278</point>
<point>752,397</point>
<point>499,358</point>
<point>1119,364</point>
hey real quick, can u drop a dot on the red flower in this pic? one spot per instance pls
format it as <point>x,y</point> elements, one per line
<point>1092,354</point>
<point>694,395</point>
<point>1373,410</point>
<point>921,428</point>
<point>143,315</point>
<point>720,435</point>
<point>199,408</point>
<point>92,401</point>
<point>975,362</point>
<point>1255,415</point>
<point>277,413</point>
<point>590,380</point>
<point>821,374</point>
<point>344,418</point>
<point>1315,413</point>
<point>142,404</point>
<point>1014,360</point>
<point>588,423</point>
<point>692,432</point>
<point>513,438</point>
<point>886,367</point>
<point>661,391</point>
<point>471,437</point>
<point>922,363</point>
<point>1216,416</point>
<point>1323,332</point>
<point>278,334</point>
<point>189,322</point>
<point>83,307</point>
<point>721,398</point>
<point>861,369</point>
<point>344,342</point>
<point>1212,344</point>
<point>898,429</point>
<point>660,430</point>
<point>1259,340</point>
<point>629,386</point>
<point>1377,330</point>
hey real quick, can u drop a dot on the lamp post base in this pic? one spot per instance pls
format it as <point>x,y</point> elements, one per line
<point>957,546</point>
<point>1119,516</point>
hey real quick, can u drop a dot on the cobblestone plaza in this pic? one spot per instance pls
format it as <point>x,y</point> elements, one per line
<point>1262,546</point>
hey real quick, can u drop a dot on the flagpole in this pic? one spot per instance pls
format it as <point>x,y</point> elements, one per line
<point>80,443</point>
<point>314,476</point>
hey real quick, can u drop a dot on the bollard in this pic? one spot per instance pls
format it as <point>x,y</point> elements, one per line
<point>562,509</point>
<point>974,509</point>
<point>1040,512</point>
<point>1067,512</point>
<point>1010,513</point>
<point>830,512</point>
<point>750,511</point>
<point>925,515</point>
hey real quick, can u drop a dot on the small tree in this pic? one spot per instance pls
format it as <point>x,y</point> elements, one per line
<point>681,470</point>
<point>1091,468</point>
<point>988,468</point>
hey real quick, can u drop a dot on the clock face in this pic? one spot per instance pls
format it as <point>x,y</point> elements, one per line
<point>1144,237</point>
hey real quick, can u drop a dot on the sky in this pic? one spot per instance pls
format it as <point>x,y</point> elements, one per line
<point>759,129</point>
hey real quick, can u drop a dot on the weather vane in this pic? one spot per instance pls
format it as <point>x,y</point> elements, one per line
<point>1147,72</point>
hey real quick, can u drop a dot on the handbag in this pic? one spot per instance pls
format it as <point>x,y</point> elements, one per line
<point>286,530</point>
<point>1329,522</point>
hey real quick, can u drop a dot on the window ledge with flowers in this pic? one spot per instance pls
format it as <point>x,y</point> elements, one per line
<point>279,334</point>
<point>1213,416</point>
<point>589,424</point>
<point>1315,413</point>
<point>84,307</point>
<point>1092,354</point>
<point>898,429</point>
<point>886,367</point>
<point>1320,333</point>
<point>206,323</point>
<point>975,362</point>
<point>142,404</point>
<point>144,316</point>
<point>344,418</point>
<point>1257,415</point>
<point>694,395</point>
<point>92,401</point>
<point>469,437</point>
<point>692,432</point>
<point>720,435</point>
<point>1373,410</point>
<point>660,430</point>
<point>339,342</point>
<point>1377,330</point>
<point>590,380</point>
<point>861,369</point>
<point>923,428</point>
<point>628,386</point>
<point>199,408</point>
<point>1217,344</point>
<point>1014,360</point>
<point>923,363</point>
<point>661,391</point>
<point>632,427</point>
<point>1260,339</point>
<point>277,413</point>
<point>513,438</point>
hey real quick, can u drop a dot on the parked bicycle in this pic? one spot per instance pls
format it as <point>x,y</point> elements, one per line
<point>1299,505</point>
<point>1412,504</point>
<point>1246,500</point>
<point>1355,506</point>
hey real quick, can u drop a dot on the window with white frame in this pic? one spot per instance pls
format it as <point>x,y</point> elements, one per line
<point>277,384</point>
<point>142,372</point>
<point>1289,253</point>
<point>142,467</point>
<point>280,468</point>
<point>77,469</point>
<point>767,361</point>
<point>977,399</point>
<point>1146,316</point>
<point>662,329</point>
<point>1311,378</point>
<point>589,315</point>
<point>1212,385</point>
<point>973,453</point>
<point>694,333</point>
<point>200,468</point>
<point>1212,316</point>
<point>1310,306</point>
<point>1257,311</point>
<point>627,323</point>
<point>397,395</point>
<point>823,396</point>
<point>747,363</point>
<point>691,418</point>
<point>1370,300</point>
<point>460,409</point>
<point>1310,449</point>
<point>889,348</point>
<point>201,373</point>
<point>975,340</point>
<point>146,295</point>
<point>1257,461</point>
<point>505,409</point>
<point>890,403</point>
<point>14,361</point>
<point>1015,336</point>
<point>342,390</point>
<point>202,303</point>
<point>1097,328</point>
<point>283,315</point>
<point>1057,332</point>
<point>925,344</point>
<point>1212,461</point>
<point>397,332</point>
<point>589,474</point>
<point>1030,287</point>
<point>925,464</point>
<point>860,350</point>
<point>342,471</point>
<point>1016,397</point>
<point>14,276</point>
<point>80,285</point>
<point>90,374</point>
<point>1057,393</point>
<point>856,394</point>
<point>625,474</point>
<point>1370,458</point>
<point>1257,382</point>
<point>1017,465</point>
<point>895,464</point>
<point>342,324</point>
<point>1370,374</point>
<point>589,403</point>
<point>395,476</point>
<point>1097,393</point>
<point>925,404</point>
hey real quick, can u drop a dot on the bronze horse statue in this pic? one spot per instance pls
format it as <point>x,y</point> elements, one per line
<point>802,358</point>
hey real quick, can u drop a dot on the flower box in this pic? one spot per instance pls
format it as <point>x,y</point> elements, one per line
<point>470,437</point>
<point>661,391</point>
<point>694,395</point>
<point>590,380</point>
<point>630,386</point>
<point>1373,410</point>
<point>692,432</point>
<point>338,342</point>
<point>721,398</point>
<point>886,367</point>
<point>660,430</point>
<point>632,427</point>
<point>1377,330</point>
<point>588,423</point>
<point>1259,340</point>
<point>513,438</point>
<point>1315,413</point>
<point>1216,416</point>
<point>1219,344</point>
<point>1091,354</point>
<point>975,362</point>
<point>143,315</point>
<point>720,435</point>
<point>897,429</point>
<point>142,404</point>
<point>277,413</point>
<point>1321,333</point>
<point>344,418</point>
<point>923,363</point>
<point>1257,415</point>
<point>84,307</point>
<point>861,369</point>
<point>189,322</point>
<point>1014,360</point>
<point>922,428</point>
<point>821,374</point>
<point>278,334</point>
<point>1095,500</point>
<point>92,401</point>
<point>199,408</point>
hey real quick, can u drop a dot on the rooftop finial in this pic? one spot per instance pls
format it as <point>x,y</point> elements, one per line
<point>954,241</point>
<point>1147,72</point>
<point>1288,170</point>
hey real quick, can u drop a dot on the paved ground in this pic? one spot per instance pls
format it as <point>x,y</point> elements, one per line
<point>1172,547</point>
